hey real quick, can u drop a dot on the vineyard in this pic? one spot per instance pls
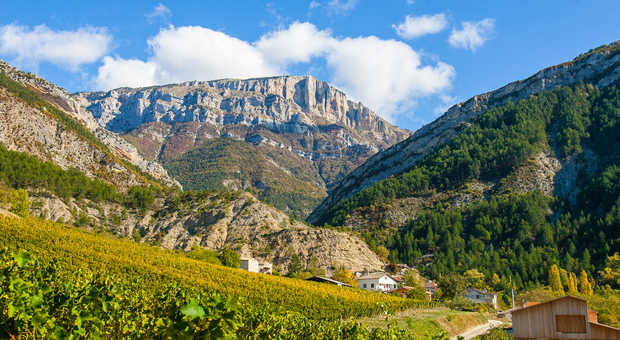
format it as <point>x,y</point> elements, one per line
<point>68,282</point>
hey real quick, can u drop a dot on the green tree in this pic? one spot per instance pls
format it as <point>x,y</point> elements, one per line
<point>313,268</point>
<point>555,282</point>
<point>203,254</point>
<point>452,286</point>
<point>294,267</point>
<point>230,258</point>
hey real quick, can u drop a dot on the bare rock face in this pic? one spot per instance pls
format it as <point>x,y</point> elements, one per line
<point>73,106</point>
<point>301,115</point>
<point>242,223</point>
<point>601,67</point>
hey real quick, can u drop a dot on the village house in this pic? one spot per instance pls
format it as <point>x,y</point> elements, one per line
<point>379,281</point>
<point>430,287</point>
<point>252,265</point>
<point>481,296</point>
<point>567,317</point>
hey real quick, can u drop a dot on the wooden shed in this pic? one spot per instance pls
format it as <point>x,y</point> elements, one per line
<point>567,317</point>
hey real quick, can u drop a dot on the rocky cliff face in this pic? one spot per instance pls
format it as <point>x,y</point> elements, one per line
<point>302,116</point>
<point>74,108</point>
<point>217,222</point>
<point>600,67</point>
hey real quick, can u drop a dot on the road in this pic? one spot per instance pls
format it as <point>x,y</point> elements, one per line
<point>479,330</point>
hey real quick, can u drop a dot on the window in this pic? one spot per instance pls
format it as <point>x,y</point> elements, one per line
<point>372,285</point>
<point>364,285</point>
<point>570,323</point>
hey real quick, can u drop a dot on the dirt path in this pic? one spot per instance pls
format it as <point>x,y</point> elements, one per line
<point>478,330</point>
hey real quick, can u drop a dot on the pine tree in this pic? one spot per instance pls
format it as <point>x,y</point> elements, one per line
<point>572,283</point>
<point>554,279</point>
<point>584,285</point>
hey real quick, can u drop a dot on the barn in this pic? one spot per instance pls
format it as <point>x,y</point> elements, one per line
<point>567,317</point>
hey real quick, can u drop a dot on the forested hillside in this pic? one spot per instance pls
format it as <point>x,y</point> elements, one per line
<point>227,163</point>
<point>511,227</point>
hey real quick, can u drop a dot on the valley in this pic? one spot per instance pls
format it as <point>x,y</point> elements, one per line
<point>279,207</point>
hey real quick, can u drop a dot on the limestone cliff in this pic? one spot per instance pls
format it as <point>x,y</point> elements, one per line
<point>305,118</point>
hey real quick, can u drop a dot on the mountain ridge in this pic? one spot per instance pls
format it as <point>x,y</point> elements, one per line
<point>308,120</point>
<point>402,156</point>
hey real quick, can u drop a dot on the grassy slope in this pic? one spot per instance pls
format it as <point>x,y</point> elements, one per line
<point>430,321</point>
<point>76,249</point>
<point>222,159</point>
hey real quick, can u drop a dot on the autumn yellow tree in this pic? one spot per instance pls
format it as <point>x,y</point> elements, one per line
<point>572,283</point>
<point>344,275</point>
<point>554,279</point>
<point>584,285</point>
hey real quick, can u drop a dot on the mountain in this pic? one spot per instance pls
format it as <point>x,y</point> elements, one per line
<point>302,129</point>
<point>73,176</point>
<point>599,66</point>
<point>43,119</point>
<point>507,183</point>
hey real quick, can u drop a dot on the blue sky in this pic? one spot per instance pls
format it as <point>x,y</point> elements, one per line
<point>408,60</point>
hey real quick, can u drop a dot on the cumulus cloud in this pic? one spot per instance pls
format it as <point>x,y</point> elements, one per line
<point>298,43</point>
<point>386,75</point>
<point>117,72</point>
<point>414,27</point>
<point>472,34</point>
<point>67,49</point>
<point>194,52</point>
<point>160,11</point>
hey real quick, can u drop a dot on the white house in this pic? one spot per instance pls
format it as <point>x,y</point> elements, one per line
<point>481,296</point>
<point>380,282</point>
<point>252,265</point>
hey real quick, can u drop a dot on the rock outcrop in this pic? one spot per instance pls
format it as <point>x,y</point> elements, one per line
<point>600,67</point>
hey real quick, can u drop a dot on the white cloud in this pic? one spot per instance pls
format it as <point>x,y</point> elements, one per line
<point>410,2</point>
<point>341,6</point>
<point>298,43</point>
<point>314,4</point>
<point>472,34</point>
<point>68,49</point>
<point>118,72</point>
<point>160,11</point>
<point>194,52</point>
<point>414,27</point>
<point>386,75</point>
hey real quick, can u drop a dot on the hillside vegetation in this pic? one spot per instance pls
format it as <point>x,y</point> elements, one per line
<point>227,163</point>
<point>120,288</point>
<point>507,231</point>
